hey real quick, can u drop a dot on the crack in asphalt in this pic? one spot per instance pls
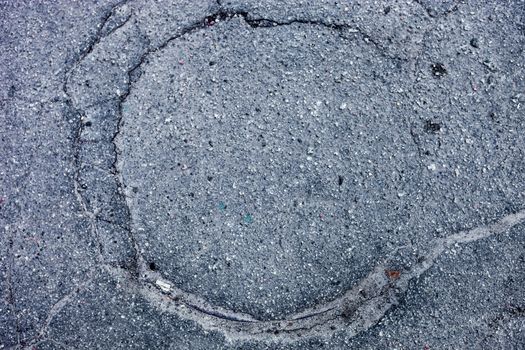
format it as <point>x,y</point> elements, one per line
<point>78,193</point>
<point>415,140</point>
<point>261,22</point>
<point>57,308</point>
<point>109,31</point>
<point>76,141</point>
<point>97,37</point>
<point>358,309</point>
<point>220,15</point>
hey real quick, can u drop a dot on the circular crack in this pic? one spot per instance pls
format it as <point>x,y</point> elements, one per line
<point>234,150</point>
<point>373,81</point>
<point>320,173</point>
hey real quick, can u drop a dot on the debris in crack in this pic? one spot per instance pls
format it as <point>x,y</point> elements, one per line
<point>393,274</point>
<point>164,286</point>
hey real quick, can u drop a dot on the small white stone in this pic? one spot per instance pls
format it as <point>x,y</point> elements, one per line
<point>342,106</point>
<point>432,167</point>
<point>166,287</point>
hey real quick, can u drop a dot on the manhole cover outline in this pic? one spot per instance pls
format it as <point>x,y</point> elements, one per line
<point>359,308</point>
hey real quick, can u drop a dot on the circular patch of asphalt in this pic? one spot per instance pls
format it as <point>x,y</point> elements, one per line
<point>270,169</point>
<point>265,167</point>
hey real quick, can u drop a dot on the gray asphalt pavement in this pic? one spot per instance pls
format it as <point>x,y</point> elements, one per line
<point>262,175</point>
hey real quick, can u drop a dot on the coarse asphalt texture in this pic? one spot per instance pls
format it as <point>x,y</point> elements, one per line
<point>239,174</point>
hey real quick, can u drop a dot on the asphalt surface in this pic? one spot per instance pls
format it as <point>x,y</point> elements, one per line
<point>262,174</point>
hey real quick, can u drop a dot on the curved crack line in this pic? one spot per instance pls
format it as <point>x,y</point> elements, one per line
<point>93,215</point>
<point>69,297</point>
<point>261,22</point>
<point>358,309</point>
<point>99,35</point>
<point>132,77</point>
<point>223,14</point>
<point>134,74</point>
<point>56,309</point>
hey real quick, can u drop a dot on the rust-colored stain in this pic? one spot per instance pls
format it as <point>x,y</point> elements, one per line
<point>392,274</point>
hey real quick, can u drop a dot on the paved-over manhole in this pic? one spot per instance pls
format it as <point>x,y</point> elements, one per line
<point>267,168</point>
<point>284,178</point>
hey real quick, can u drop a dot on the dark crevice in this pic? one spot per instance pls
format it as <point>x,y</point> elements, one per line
<point>416,141</point>
<point>112,30</point>
<point>99,35</point>
<point>438,70</point>
<point>70,109</point>
<point>111,222</point>
<point>313,314</point>
<point>224,15</point>
<point>77,137</point>
<point>216,314</point>
<point>432,127</point>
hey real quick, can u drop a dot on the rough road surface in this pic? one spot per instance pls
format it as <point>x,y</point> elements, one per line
<point>262,175</point>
